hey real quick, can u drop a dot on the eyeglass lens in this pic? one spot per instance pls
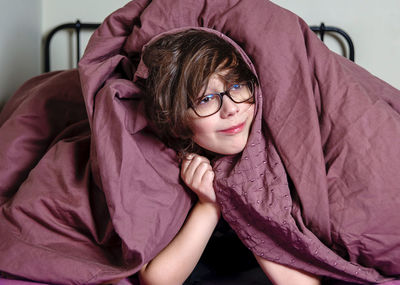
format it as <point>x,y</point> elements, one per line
<point>211,103</point>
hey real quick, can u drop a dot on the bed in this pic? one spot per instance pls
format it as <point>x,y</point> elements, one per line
<point>242,269</point>
<point>79,129</point>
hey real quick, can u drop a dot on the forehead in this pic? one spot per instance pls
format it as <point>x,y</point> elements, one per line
<point>217,80</point>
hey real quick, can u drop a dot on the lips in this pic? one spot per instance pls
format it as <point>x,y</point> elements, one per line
<point>235,129</point>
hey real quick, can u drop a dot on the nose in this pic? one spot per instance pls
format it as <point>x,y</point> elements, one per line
<point>229,108</point>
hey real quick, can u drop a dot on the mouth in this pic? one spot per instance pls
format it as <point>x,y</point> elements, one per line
<point>234,130</point>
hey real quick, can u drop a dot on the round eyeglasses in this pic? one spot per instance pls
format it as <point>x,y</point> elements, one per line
<point>210,104</point>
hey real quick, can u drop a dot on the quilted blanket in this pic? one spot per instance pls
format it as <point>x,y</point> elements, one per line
<point>88,194</point>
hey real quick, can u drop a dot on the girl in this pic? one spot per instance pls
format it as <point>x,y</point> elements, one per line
<point>200,98</point>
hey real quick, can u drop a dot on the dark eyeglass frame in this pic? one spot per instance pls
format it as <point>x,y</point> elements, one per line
<point>250,85</point>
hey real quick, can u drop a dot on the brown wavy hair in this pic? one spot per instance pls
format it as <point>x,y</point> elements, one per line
<point>180,66</point>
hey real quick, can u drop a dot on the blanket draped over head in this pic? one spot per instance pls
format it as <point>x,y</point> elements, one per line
<point>88,194</point>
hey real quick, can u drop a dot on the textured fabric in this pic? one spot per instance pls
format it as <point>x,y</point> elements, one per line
<point>89,194</point>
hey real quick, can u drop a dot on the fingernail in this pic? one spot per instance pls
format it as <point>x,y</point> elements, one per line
<point>189,156</point>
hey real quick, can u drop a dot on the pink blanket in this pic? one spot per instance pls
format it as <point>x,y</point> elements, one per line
<point>88,194</point>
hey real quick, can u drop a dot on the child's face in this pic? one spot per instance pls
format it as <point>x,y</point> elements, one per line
<point>226,132</point>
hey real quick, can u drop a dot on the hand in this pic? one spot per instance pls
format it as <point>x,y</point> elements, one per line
<point>177,260</point>
<point>197,173</point>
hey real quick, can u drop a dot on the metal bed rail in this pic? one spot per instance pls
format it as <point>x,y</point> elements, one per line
<point>322,29</point>
<point>78,26</point>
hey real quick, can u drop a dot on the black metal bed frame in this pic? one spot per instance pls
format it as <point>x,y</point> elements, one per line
<point>78,27</point>
<point>322,29</point>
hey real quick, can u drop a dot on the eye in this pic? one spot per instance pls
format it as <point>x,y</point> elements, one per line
<point>236,87</point>
<point>207,99</point>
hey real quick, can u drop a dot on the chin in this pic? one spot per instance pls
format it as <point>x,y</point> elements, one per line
<point>229,150</point>
<point>228,146</point>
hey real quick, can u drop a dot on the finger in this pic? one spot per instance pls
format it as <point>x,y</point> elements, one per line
<point>190,168</point>
<point>208,177</point>
<point>190,156</point>
<point>206,192</point>
<point>185,163</point>
<point>198,175</point>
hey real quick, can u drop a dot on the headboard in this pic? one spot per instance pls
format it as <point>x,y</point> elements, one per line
<point>340,35</point>
<point>322,30</point>
<point>77,27</point>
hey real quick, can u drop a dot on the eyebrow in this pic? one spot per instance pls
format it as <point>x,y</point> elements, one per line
<point>209,90</point>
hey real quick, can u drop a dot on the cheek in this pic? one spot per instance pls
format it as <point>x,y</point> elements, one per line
<point>250,109</point>
<point>201,126</point>
<point>202,129</point>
